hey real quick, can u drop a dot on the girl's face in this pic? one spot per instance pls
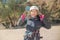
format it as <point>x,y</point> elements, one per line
<point>34,13</point>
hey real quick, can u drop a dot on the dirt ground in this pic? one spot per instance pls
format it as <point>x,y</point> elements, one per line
<point>18,34</point>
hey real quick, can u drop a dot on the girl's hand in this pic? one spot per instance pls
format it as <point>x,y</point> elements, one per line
<point>23,17</point>
<point>41,17</point>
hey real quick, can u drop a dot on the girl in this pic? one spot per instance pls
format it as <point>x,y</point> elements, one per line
<point>33,23</point>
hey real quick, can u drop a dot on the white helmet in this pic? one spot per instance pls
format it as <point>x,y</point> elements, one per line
<point>34,7</point>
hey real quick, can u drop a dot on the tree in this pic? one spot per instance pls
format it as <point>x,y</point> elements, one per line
<point>9,12</point>
<point>52,11</point>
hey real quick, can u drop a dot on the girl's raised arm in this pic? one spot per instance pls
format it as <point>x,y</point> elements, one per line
<point>22,20</point>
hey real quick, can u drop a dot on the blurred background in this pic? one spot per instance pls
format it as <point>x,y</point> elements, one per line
<point>10,10</point>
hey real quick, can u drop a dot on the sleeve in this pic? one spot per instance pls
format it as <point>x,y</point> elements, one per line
<point>46,24</point>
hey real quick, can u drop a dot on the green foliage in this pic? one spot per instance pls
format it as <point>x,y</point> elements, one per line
<point>11,10</point>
